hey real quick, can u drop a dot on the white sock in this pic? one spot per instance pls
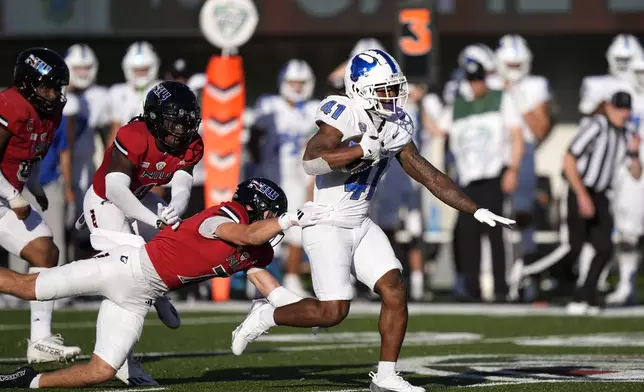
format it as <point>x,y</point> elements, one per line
<point>282,296</point>
<point>627,268</point>
<point>35,383</point>
<point>417,288</point>
<point>40,314</point>
<point>266,316</point>
<point>386,369</point>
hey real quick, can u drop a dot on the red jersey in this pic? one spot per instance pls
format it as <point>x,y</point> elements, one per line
<point>186,256</point>
<point>30,139</point>
<point>152,167</point>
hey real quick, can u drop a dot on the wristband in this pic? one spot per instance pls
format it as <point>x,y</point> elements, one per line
<point>285,222</point>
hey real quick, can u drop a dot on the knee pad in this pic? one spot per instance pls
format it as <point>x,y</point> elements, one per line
<point>102,240</point>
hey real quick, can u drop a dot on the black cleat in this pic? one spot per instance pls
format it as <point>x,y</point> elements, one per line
<point>20,378</point>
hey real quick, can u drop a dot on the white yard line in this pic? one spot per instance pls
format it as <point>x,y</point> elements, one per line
<point>175,354</point>
<point>149,323</point>
<point>559,381</point>
<point>363,308</point>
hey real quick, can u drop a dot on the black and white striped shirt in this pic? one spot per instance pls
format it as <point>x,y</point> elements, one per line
<point>599,147</point>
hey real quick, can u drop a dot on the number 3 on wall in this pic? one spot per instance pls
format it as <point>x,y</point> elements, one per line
<point>417,21</point>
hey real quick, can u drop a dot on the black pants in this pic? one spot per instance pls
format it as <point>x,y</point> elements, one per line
<point>597,231</point>
<point>574,232</point>
<point>467,239</point>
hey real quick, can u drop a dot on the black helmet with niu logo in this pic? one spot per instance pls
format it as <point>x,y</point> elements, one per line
<point>172,115</point>
<point>262,198</point>
<point>38,71</point>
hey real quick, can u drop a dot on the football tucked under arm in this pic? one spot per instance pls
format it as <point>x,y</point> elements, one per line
<point>359,164</point>
<point>324,152</point>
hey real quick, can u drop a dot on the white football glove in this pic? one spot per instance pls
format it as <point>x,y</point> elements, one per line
<point>307,215</point>
<point>484,216</point>
<point>371,145</point>
<point>168,215</point>
<point>394,140</point>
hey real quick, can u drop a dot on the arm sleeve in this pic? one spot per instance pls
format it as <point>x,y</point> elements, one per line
<point>208,227</point>
<point>117,190</point>
<point>180,191</point>
<point>588,130</point>
<point>509,112</point>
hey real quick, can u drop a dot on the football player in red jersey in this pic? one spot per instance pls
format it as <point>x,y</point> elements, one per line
<point>30,113</point>
<point>161,145</point>
<point>217,242</point>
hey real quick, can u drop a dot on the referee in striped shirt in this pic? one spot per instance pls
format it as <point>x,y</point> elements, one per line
<point>601,144</point>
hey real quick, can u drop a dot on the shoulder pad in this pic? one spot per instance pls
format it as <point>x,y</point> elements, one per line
<point>336,111</point>
<point>132,140</point>
<point>234,211</point>
<point>11,112</point>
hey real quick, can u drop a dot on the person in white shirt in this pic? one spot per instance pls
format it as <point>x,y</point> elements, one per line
<point>484,129</point>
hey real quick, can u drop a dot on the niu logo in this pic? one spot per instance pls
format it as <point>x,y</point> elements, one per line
<point>156,175</point>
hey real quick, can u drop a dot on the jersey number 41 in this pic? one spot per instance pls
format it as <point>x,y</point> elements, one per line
<point>358,183</point>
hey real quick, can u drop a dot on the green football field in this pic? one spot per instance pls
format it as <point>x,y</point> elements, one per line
<point>494,349</point>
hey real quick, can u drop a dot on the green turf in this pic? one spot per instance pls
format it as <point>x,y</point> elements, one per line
<point>199,359</point>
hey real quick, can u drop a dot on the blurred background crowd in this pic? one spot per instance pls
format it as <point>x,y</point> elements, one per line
<point>117,50</point>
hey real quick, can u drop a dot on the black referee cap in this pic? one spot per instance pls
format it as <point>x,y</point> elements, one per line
<point>621,99</point>
<point>474,70</point>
